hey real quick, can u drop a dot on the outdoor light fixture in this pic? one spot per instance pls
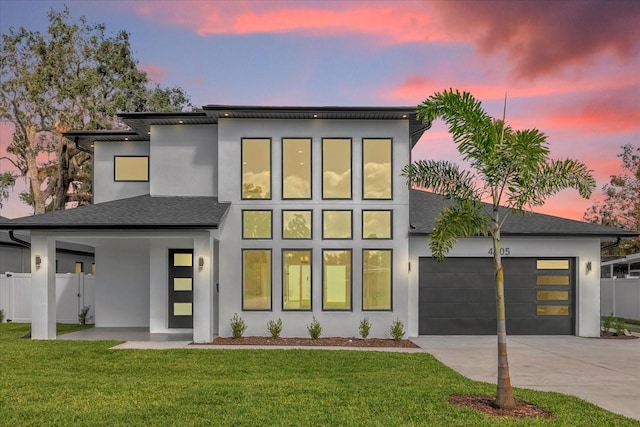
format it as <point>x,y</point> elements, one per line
<point>588,266</point>
<point>38,261</point>
<point>201,263</point>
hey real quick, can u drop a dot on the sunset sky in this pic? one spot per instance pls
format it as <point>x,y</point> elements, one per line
<point>569,68</point>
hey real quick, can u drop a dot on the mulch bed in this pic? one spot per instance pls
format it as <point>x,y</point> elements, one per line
<point>487,405</point>
<point>323,342</point>
<point>616,336</point>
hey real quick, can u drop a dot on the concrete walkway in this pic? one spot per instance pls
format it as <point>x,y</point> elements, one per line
<point>603,372</point>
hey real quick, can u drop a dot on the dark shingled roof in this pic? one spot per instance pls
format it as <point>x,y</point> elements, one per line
<point>141,212</point>
<point>426,206</point>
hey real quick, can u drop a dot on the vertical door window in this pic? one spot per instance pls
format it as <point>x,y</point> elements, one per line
<point>256,279</point>
<point>296,276</point>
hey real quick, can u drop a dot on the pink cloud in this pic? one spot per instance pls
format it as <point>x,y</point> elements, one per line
<point>155,72</point>
<point>389,23</point>
<point>545,38</point>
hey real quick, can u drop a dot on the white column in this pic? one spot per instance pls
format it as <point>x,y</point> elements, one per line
<point>203,288</point>
<point>43,287</point>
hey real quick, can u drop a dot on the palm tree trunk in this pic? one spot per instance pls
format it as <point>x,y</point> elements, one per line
<point>504,393</point>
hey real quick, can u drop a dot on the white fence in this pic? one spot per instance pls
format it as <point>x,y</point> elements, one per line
<point>620,297</point>
<point>73,292</point>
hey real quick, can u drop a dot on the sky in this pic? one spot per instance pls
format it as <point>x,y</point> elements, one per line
<point>568,68</point>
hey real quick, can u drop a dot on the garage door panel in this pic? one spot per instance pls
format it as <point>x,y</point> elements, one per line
<point>457,297</point>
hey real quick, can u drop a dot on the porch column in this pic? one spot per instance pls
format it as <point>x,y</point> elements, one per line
<point>203,257</point>
<point>43,287</point>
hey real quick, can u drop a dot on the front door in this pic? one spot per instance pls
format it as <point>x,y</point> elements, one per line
<point>180,288</point>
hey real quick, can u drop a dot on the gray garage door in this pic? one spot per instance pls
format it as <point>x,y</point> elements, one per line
<point>457,296</point>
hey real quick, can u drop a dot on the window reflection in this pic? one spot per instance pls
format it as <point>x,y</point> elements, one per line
<point>336,225</point>
<point>376,280</point>
<point>376,224</point>
<point>336,168</point>
<point>256,279</point>
<point>296,168</point>
<point>256,168</point>
<point>256,224</point>
<point>296,293</point>
<point>296,224</point>
<point>376,167</point>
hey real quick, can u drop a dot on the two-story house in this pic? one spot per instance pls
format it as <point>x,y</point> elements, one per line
<point>291,213</point>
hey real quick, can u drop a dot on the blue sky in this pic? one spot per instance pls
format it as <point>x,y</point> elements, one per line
<point>569,68</point>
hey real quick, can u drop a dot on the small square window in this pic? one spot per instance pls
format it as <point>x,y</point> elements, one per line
<point>337,224</point>
<point>376,224</point>
<point>296,224</point>
<point>131,168</point>
<point>257,224</point>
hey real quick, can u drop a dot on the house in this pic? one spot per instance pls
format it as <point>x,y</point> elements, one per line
<point>15,253</point>
<point>291,213</point>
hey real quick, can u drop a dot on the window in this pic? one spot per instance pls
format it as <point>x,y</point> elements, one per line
<point>376,224</point>
<point>336,224</point>
<point>376,168</point>
<point>256,168</point>
<point>376,279</point>
<point>336,279</point>
<point>296,224</point>
<point>256,224</point>
<point>296,276</point>
<point>131,168</point>
<point>79,267</point>
<point>336,168</point>
<point>256,279</point>
<point>296,168</point>
<point>93,268</point>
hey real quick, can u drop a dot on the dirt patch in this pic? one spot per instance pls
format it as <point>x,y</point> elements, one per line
<point>486,404</point>
<point>616,336</point>
<point>326,342</point>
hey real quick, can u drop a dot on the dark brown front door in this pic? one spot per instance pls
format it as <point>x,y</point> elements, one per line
<point>180,288</point>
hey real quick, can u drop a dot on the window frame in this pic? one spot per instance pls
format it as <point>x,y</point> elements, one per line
<point>390,250</point>
<point>322,164</point>
<point>310,250</point>
<point>270,251</point>
<point>310,224</point>
<point>270,224</point>
<point>242,140</point>
<point>390,224</point>
<point>310,160</point>
<point>350,225</point>
<point>390,168</point>
<point>324,293</point>
<point>115,168</point>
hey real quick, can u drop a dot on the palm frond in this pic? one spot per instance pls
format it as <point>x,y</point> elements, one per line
<point>462,220</point>
<point>442,177</point>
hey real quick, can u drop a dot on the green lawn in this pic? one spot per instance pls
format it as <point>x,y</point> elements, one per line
<point>85,383</point>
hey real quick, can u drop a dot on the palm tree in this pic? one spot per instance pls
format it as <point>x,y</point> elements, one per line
<point>507,167</point>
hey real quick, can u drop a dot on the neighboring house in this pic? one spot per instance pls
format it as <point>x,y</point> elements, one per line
<point>15,254</point>
<point>295,212</point>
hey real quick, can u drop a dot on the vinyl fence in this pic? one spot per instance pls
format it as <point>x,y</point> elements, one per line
<point>620,297</point>
<point>73,292</point>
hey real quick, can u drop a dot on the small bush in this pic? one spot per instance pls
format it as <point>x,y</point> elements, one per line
<point>314,329</point>
<point>275,328</point>
<point>83,316</point>
<point>606,322</point>
<point>397,330</point>
<point>1,316</point>
<point>237,326</point>
<point>365,327</point>
<point>618,325</point>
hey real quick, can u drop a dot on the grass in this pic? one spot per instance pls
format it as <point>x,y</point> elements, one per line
<point>85,383</point>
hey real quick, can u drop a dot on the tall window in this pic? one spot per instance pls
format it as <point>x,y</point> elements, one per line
<point>336,279</point>
<point>256,168</point>
<point>296,168</point>
<point>336,168</point>
<point>296,276</point>
<point>337,224</point>
<point>256,279</point>
<point>296,224</point>
<point>256,224</point>
<point>376,224</point>
<point>376,279</point>
<point>131,168</point>
<point>376,168</point>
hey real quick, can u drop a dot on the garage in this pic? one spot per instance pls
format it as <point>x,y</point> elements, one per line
<point>457,296</point>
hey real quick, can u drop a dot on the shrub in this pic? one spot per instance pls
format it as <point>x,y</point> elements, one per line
<point>618,325</point>
<point>314,329</point>
<point>275,328</point>
<point>606,322</point>
<point>83,316</point>
<point>397,330</point>
<point>1,316</point>
<point>237,326</point>
<point>365,327</point>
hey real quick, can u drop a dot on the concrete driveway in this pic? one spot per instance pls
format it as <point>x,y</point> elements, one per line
<point>603,372</point>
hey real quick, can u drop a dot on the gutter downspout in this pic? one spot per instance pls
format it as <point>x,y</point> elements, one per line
<point>19,241</point>
<point>611,245</point>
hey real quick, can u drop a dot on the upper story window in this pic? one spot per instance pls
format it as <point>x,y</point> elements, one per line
<point>376,168</point>
<point>377,224</point>
<point>256,168</point>
<point>131,168</point>
<point>296,168</point>
<point>336,168</point>
<point>337,224</point>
